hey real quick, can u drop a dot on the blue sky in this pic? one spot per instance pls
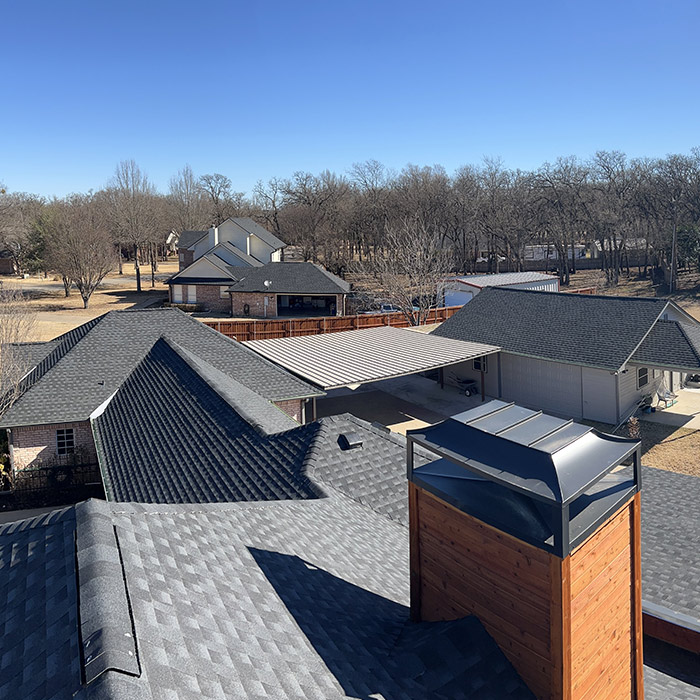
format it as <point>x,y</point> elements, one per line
<point>255,90</point>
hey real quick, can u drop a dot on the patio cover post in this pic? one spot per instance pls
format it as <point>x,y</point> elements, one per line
<point>483,382</point>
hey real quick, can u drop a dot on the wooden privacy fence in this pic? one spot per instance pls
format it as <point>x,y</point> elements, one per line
<point>261,329</point>
<point>582,290</point>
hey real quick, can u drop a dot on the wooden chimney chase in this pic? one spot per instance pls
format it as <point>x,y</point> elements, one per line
<point>553,572</point>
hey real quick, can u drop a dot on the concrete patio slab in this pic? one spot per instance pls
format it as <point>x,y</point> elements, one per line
<point>684,413</point>
<point>401,404</point>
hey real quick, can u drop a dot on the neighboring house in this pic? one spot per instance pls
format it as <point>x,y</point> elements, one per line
<point>306,595</point>
<point>288,289</point>
<point>207,279</point>
<point>457,291</point>
<point>580,356</point>
<point>241,232</point>
<point>208,261</point>
<point>77,375</point>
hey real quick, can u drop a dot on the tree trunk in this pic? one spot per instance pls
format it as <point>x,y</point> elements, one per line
<point>137,269</point>
<point>119,259</point>
<point>66,285</point>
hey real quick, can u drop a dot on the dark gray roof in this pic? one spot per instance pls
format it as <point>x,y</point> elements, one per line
<point>181,442</point>
<point>596,331</point>
<point>42,357</point>
<point>295,599</point>
<point>671,541</point>
<point>277,600</point>
<point>670,344</point>
<point>257,230</point>
<point>39,642</point>
<point>291,278</point>
<point>83,373</point>
<point>525,450</point>
<point>184,442</point>
<point>188,238</point>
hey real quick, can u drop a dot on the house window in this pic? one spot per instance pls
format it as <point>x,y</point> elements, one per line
<point>642,377</point>
<point>65,441</point>
<point>177,293</point>
<point>480,364</point>
<point>223,291</point>
<point>191,294</point>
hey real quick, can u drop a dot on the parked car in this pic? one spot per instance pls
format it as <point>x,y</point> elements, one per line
<point>693,381</point>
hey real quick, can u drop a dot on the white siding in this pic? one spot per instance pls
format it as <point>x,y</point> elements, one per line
<point>545,286</point>
<point>466,370</point>
<point>630,395</point>
<point>234,234</point>
<point>206,269</point>
<point>599,396</point>
<point>259,249</point>
<point>550,386</point>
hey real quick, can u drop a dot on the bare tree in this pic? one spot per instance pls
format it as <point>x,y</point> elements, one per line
<point>16,324</point>
<point>224,202</point>
<point>78,244</point>
<point>412,264</point>
<point>187,203</point>
<point>133,217</point>
<point>18,211</point>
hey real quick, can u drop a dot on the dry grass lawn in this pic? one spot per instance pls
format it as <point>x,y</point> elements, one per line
<point>56,314</point>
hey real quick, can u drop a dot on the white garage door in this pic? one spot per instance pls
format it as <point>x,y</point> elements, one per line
<point>550,386</point>
<point>454,297</point>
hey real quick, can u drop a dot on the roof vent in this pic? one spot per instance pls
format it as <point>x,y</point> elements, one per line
<point>350,441</point>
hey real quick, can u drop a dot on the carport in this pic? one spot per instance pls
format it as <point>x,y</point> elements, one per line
<point>352,358</point>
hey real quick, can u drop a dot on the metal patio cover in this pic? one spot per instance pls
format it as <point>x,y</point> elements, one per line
<point>351,358</point>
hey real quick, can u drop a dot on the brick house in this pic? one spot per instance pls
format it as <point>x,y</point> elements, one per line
<point>210,261</point>
<point>76,375</point>
<point>288,289</point>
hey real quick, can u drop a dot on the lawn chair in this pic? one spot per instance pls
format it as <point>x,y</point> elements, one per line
<point>668,398</point>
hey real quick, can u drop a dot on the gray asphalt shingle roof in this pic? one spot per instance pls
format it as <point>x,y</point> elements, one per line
<point>184,442</point>
<point>81,377</point>
<point>670,344</point>
<point>188,238</point>
<point>596,331</point>
<point>293,599</point>
<point>291,278</point>
<point>261,232</point>
<point>276,600</point>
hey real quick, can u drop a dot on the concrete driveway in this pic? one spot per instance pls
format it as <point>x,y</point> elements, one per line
<point>684,413</point>
<point>401,404</point>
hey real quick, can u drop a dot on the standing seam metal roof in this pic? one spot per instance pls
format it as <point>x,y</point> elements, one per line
<point>502,279</point>
<point>333,360</point>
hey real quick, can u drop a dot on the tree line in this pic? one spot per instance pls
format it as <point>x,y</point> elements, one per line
<point>483,213</point>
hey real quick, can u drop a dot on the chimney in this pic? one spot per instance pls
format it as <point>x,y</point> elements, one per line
<point>213,236</point>
<point>524,521</point>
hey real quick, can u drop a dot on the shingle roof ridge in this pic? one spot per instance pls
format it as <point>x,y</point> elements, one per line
<point>691,342</point>
<point>569,295</point>
<point>35,521</point>
<point>196,363</point>
<point>252,353</point>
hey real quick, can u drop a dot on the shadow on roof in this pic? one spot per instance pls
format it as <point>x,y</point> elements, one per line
<point>372,649</point>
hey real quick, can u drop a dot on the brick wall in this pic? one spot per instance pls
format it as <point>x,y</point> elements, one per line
<point>38,442</point>
<point>256,302</point>
<point>291,408</point>
<point>185,258</point>
<point>209,297</point>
